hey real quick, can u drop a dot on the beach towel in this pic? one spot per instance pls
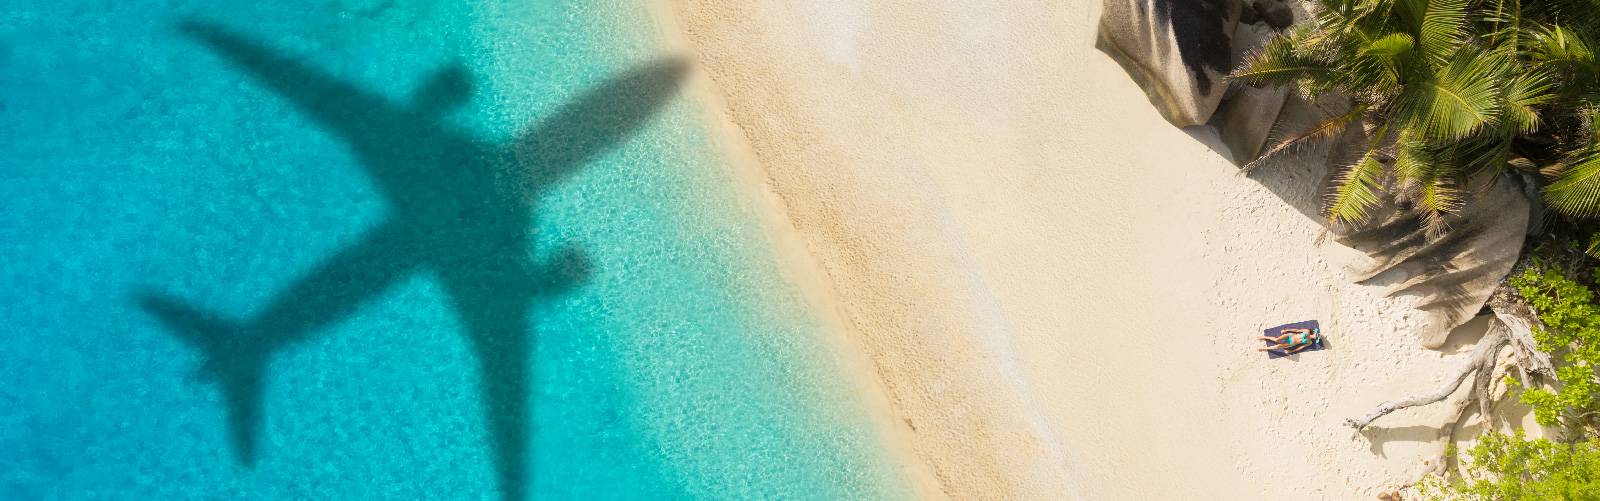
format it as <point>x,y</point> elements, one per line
<point>1278,331</point>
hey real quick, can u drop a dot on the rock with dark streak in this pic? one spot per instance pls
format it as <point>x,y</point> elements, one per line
<point>1176,50</point>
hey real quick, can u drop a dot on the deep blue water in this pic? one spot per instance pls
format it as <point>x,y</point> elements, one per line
<point>551,290</point>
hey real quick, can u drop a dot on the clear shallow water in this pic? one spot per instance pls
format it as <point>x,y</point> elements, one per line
<point>147,173</point>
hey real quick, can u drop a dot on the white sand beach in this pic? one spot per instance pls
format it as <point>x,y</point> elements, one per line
<point>1057,291</point>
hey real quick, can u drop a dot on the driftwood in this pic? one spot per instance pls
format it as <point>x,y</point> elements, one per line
<point>1447,433</point>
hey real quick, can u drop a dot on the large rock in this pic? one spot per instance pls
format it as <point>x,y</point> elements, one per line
<point>1456,269</point>
<point>1176,50</point>
<point>1275,13</point>
<point>1246,120</point>
<point>1248,114</point>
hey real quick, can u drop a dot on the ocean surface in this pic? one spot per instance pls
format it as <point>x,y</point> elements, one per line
<point>389,249</point>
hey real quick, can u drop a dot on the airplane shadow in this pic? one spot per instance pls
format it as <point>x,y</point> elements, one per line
<point>462,208</point>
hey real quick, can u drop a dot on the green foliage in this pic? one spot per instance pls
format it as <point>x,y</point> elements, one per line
<point>1445,90</point>
<point>1509,467</point>
<point>1569,311</point>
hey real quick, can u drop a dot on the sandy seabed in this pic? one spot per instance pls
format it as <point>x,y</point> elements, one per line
<point>1052,292</point>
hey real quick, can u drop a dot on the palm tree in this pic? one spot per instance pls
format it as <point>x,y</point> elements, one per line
<point>1445,90</point>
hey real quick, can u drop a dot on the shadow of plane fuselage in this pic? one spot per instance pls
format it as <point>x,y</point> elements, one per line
<point>461,208</point>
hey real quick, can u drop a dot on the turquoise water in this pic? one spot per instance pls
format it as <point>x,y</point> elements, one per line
<point>378,249</point>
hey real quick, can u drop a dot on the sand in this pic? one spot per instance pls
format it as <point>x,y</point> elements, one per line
<point>1054,292</point>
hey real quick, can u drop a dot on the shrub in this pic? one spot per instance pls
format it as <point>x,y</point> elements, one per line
<point>1510,467</point>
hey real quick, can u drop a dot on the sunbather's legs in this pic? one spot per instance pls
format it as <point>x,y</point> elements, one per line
<point>1278,339</point>
<point>1279,346</point>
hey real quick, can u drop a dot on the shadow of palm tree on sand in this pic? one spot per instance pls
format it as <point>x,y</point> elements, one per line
<point>462,209</point>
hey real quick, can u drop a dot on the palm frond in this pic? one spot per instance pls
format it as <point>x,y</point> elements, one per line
<point>1356,189</point>
<point>1565,51</point>
<point>1589,117</point>
<point>1524,94</point>
<point>1385,62</point>
<point>1481,154</point>
<point>1438,196</point>
<point>1390,16</point>
<point>1424,174</point>
<point>1413,159</point>
<point>1440,31</point>
<point>1506,24</point>
<point>1334,12</point>
<point>1577,190</point>
<point>1454,102</point>
<point>1429,171</point>
<point>1280,62</point>
<point>1289,137</point>
<point>1581,15</point>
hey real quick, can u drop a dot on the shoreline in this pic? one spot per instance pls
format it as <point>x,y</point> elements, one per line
<point>795,259</point>
<point>961,452</point>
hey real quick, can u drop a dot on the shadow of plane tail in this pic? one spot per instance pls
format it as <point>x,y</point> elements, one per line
<point>231,357</point>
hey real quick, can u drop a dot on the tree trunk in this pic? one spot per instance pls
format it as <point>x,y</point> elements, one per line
<point>1520,321</point>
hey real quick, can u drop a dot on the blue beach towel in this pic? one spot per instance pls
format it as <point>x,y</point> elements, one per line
<point>1277,331</point>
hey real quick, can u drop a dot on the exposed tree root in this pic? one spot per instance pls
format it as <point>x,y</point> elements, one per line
<point>1513,325</point>
<point>1481,363</point>
<point>1447,435</point>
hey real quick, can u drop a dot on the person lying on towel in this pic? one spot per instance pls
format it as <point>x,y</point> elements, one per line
<point>1293,340</point>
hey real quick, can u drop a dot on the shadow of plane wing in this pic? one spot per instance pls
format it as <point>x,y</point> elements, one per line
<point>595,122</point>
<point>492,285</point>
<point>346,109</point>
